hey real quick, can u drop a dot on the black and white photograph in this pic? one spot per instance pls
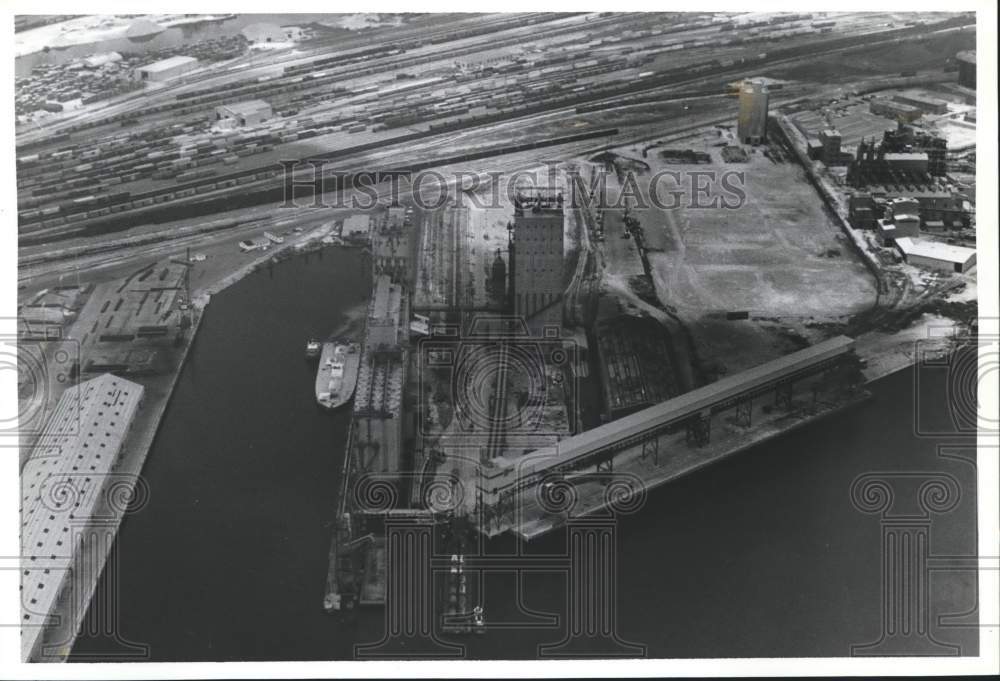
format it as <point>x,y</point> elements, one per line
<point>558,339</point>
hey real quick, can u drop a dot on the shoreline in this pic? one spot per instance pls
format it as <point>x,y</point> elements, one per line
<point>307,242</point>
<point>529,530</point>
<point>101,535</point>
<point>72,607</point>
<point>29,42</point>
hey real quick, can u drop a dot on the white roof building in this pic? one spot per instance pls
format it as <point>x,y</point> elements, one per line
<point>67,484</point>
<point>165,69</point>
<point>249,113</point>
<point>936,255</point>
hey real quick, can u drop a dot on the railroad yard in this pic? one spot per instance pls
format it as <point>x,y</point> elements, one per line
<point>461,158</point>
<point>125,157</point>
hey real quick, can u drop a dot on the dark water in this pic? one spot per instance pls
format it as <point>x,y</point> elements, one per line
<point>762,555</point>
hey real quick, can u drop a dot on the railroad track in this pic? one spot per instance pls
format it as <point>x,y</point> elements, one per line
<point>584,218</point>
<point>614,98</point>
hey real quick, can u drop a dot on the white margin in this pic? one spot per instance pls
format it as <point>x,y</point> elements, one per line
<point>989,483</point>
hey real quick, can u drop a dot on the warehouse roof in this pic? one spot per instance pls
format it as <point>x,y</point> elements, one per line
<point>935,250</point>
<point>906,156</point>
<point>167,64</point>
<point>63,483</point>
<point>387,302</point>
<point>921,97</point>
<point>890,104</point>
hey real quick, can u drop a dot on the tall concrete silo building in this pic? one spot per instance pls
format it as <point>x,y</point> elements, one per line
<point>537,263</point>
<point>752,122</point>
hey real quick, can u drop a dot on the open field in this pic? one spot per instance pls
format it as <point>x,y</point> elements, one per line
<point>777,255</point>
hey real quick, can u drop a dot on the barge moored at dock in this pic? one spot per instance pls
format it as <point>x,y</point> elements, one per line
<point>337,375</point>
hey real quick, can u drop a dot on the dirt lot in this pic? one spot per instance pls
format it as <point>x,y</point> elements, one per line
<point>778,256</point>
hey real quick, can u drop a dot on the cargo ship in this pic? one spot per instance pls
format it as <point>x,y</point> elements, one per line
<point>337,374</point>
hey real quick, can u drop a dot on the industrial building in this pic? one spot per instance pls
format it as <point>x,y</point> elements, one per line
<point>388,314</point>
<point>830,139</point>
<point>967,68</point>
<point>936,255</point>
<point>828,148</point>
<point>862,211</point>
<point>537,255</point>
<point>391,245</point>
<point>904,113</point>
<point>907,138</point>
<point>69,489</point>
<point>244,114</point>
<point>902,219</point>
<point>905,157</point>
<point>946,209</point>
<point>924,103</point>
<point>938,209</point>
<point>167,69</point>
<point>907,162</point>
<point>752,121</point>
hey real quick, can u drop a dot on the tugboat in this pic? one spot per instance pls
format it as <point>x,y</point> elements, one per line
<point>313,348</point>
<point>337,374</point>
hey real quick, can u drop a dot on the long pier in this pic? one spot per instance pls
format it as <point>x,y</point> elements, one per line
<point>670,439</point>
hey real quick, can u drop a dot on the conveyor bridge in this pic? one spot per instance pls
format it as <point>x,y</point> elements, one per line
<point>692,411</point>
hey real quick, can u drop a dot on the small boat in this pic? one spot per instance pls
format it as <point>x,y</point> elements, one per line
<point>337,374</point>
<point>478,620</point>
<point>313,348</point>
